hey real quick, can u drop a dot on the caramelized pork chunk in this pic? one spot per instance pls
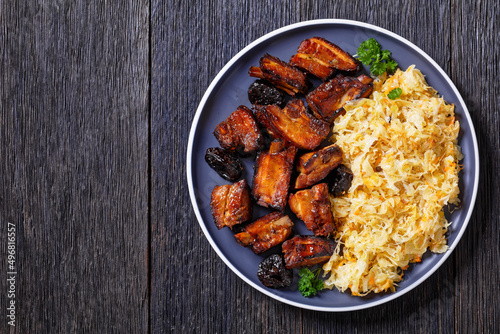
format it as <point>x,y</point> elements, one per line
<point>239,132</point>
<point>271,179</point>
<point>322,58</point>
<point>231,204</point>
<point>282,75</point>
<point>314,208</point>
<point>266,232</point>
<point>306,251</point>
<point>328,99</point>
<point>293,124</point>
<point>315,166</point>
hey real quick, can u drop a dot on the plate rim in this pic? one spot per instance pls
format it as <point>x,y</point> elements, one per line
<point>208,93</point>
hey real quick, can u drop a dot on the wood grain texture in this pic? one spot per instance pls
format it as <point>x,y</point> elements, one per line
<point>89,163</point>
<point>477,257</point>
<point>74,163</point>
<point>193,291</point>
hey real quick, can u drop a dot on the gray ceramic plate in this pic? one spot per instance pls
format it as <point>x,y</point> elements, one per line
<point>229,90</point>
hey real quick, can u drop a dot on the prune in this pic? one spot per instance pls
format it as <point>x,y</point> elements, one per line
<point>339,180</point>
<point>273,273</point>
<point>224,163</point>
<point>262,92</point>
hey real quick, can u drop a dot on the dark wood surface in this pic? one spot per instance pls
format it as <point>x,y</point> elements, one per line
<point>96,103</point>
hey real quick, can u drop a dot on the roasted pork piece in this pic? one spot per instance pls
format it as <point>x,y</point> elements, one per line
<point>339,180</point>
<point>314,208</point>
<point>322,58</point>
<point>266,232</point>
<point>262,92</point>
<point>328,99</point>
<point>306,250</point>
<point>231,204</point>
<point>239,132</point>
<point>315,166</point>
<point>227,165</point>
<point>271,179</point>
<point>282,75</point>
<point>293,124</point>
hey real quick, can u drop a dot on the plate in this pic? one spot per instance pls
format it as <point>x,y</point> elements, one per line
<point>229,90</point>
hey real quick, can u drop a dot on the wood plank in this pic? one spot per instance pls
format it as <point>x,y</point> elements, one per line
<point>475,65</point>
<point>74,163</point>
<point>192,289</point>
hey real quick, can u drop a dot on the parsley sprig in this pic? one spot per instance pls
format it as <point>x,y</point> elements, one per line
<point>309,283</point>
<point>370,53</point>
<point>395,93</point>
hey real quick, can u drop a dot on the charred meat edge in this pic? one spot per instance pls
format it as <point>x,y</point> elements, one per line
<point>266,232</point>
<point>231,204</point>
<point>271,179</point>
<point>281,74</point>
<point>315,166</point>
<point>313,206</point>
<point>306,251</point>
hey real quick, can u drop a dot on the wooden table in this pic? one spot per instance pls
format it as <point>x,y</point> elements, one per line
<point>97,100</point>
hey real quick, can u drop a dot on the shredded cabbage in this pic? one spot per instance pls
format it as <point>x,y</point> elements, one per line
<point>405,160</point>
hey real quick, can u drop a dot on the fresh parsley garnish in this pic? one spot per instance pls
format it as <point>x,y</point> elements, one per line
<point>370,53</point>
<point>309,283</point>
<point>395,93</point>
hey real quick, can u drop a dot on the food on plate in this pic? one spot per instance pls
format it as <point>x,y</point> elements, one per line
<point>239,132</point>
<point>273,273</point>
<point>328,99</point>
<point>281,74</point>
<point>314,208</point>
<point>309,283</point>
<point>370,53</point>
<point>339,180</point>
<point>231,204</point>
<point>226,164</point>
<point>263,93</point>
<point>272,173</point>
<point>266,232</point>
<point>322,58</point>
<point>404,157</point>
<point>293,124</point>
<point>307,250</point>
<point>315,166</point>
<point>388,169</point>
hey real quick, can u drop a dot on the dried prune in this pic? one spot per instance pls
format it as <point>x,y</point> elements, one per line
<point>262,92</point>
<point>273,273</point>
<point>339,180</point>
<point>224,163</point>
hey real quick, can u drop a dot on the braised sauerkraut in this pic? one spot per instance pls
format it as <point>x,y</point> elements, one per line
<point>405,160</point>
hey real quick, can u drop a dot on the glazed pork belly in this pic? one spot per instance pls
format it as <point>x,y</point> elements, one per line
<point>328,99</point>
<point>231,204</point>
<point>307,250</point>
<point>323,59</point>
<point>272,173</point>
<point>266,232</point>
<point>314,208</point>
<point>281,74</point>
<point>293,124</point>
<point>239,132</point>
<point>315,166</point>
